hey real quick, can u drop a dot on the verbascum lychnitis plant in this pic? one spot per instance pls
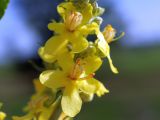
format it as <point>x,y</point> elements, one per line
<point>71,62</point>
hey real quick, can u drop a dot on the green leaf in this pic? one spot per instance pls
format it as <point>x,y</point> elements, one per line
<point>3,6</point>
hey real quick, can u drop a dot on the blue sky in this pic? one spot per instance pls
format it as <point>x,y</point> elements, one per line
<point>142,18</point>
<point>17,39</point>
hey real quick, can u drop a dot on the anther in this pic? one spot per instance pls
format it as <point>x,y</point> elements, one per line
<point>73,20</point>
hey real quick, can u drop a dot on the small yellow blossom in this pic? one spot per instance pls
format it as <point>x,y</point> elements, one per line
<point>69,32</point>
<point>56,46</point>
<point>109,33</point>
<point>105,49</point>
<point>73,79</point>
<point>66,7</point>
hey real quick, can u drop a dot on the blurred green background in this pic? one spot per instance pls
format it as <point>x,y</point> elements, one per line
<point>134,92</point>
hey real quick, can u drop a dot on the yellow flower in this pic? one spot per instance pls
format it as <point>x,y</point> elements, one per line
<point>2,115</point>
<point>69,33</point>
<point>109,33</point>
<point>56,46</point>
<point>104,47</point>
<point>66,7</point>
<point>74,78</point>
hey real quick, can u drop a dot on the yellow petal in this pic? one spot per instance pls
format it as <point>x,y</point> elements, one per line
<point>53,79</point>
<point>87,13</point>
<point>87,86</point>
<point>46,57</point>
<point>56,45</point>
<point>53,48</point>
<point>91,64</point>
<point>64,8</point>
<point>88,29</point>
<point>79,43</point>
<point>104,47</point>
<point>101,90</point>
<point>57,27</point>
<point>91,86</point>
<point>66,61</point>
<point>71,101</point>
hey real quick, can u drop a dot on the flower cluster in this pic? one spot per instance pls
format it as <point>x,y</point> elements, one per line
<point>77,58</point>
<point>71,62</point>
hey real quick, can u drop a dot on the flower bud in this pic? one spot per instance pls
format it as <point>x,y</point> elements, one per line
<point>73,20</point>
<point>109,33</point>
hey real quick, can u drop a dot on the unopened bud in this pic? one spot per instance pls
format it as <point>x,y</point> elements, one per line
<point>109,33</point>
<point>73,20</point>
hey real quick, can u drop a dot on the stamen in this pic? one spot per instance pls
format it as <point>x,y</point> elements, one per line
<point>88,77</point>
<point>77,70</point>
<point>73,20</point>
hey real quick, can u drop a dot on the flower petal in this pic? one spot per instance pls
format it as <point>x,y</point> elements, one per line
<point>66,61</point>
<point>56,45</point>
<point>105,49</point>
<point>87,86</point>
<point>87,13</point>
<point>46,57</point>
<point>91,86</point>
<point>71,101</point>
<point>79,43</point>
<point>57,27</point>
<point>101,90</point>
<point>64,8</point>
<point>53,79</point>
<point>91,64</point>
<point>88,29</point>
